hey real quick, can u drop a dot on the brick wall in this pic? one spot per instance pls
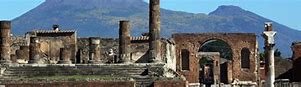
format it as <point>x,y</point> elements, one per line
<point>237,41</point>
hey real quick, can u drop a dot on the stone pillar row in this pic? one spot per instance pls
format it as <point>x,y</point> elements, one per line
<point>65,53</point>
<point>94,52</point>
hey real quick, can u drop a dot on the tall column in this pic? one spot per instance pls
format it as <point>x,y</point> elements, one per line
<point>124,41</point>
<point>154,30</point>
<point>65,56</point>
<point>5,41</point>
<point>268,35</point>
<point>94,52</point>
<point>34,50</point>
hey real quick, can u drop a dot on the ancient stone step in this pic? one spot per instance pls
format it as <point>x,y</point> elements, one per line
<point>121,70</point>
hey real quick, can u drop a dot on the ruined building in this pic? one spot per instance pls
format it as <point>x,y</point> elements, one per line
<point>185,59</point>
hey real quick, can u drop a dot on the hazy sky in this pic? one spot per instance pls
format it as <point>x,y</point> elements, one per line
<point>287,12</point>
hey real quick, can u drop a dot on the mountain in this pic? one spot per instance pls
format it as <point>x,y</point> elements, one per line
<point>101,18</point>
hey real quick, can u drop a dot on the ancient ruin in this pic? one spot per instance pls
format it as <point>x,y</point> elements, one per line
<point>58,57</point>
<point>5,27</point>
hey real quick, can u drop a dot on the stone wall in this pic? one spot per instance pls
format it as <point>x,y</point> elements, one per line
<point>296,48</point>
<point>52,41</point>
<point>237,41</point>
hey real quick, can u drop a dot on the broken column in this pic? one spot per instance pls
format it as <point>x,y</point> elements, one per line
<point>5,41</point>
<point>34,50</point>
<point>22,54</point>
<point>154,30</point>
<point>65,56</point>
<point>268,35</point>
<point>94,52</point>
<point>25,51</point>
<point>124,42</point>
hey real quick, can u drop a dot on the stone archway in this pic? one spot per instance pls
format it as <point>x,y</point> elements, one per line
<point>217,45</point>
<point>226,55</point>
<point>236,41</point>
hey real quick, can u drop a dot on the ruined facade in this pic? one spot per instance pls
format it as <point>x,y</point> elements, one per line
<point>185,59</point>
<point>234,70</point>
<point>296,49</point>
<point>51,41</point>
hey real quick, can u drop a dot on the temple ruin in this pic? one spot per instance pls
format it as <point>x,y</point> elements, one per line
<point>184,60</point>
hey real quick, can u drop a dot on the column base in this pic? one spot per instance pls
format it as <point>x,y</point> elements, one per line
<point>64,62</point>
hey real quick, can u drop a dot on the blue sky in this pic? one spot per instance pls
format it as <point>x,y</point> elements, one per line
<point>286,12</point>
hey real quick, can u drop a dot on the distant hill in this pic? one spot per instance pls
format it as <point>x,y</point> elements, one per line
<point>101,18</point>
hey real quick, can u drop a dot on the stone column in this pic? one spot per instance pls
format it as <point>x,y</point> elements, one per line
<point>22,54</point>
<point>154,30</point>
<point>34,50</point>
<point>5,41</point>
<point>94,52</point>
<point>25,52</point>
<point>124,41</point>
<point>65,56</point>
<point>268,35</point>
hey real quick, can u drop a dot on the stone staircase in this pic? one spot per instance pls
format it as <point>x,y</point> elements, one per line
<point>138,72</point>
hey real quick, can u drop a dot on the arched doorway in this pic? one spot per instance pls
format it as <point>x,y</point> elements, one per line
<point>225,51</point>
<point>206,71</point>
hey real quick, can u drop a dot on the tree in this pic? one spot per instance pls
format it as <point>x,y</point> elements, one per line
<point>277,53</point>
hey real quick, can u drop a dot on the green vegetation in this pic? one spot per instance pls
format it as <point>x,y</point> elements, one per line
<point>282,65</point>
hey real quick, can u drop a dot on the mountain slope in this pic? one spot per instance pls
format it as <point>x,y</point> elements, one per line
<point>101,18</point>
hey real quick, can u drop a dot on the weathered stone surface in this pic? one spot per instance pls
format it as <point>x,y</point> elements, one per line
<point>156,70</point>
<point>138,72</point>
<point>51,41</point>
<point>214,57</point>
<point>75,84</point>
<point>237,41</point>
<point>65,56</point>
<point>94,52</point>
<point>124,42</point>
<point>154,30</point>
<point>34,50</point>
<point>25,53</point>
<point>268,35</point>
<point>5,41</point>
<point>296,49</point>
